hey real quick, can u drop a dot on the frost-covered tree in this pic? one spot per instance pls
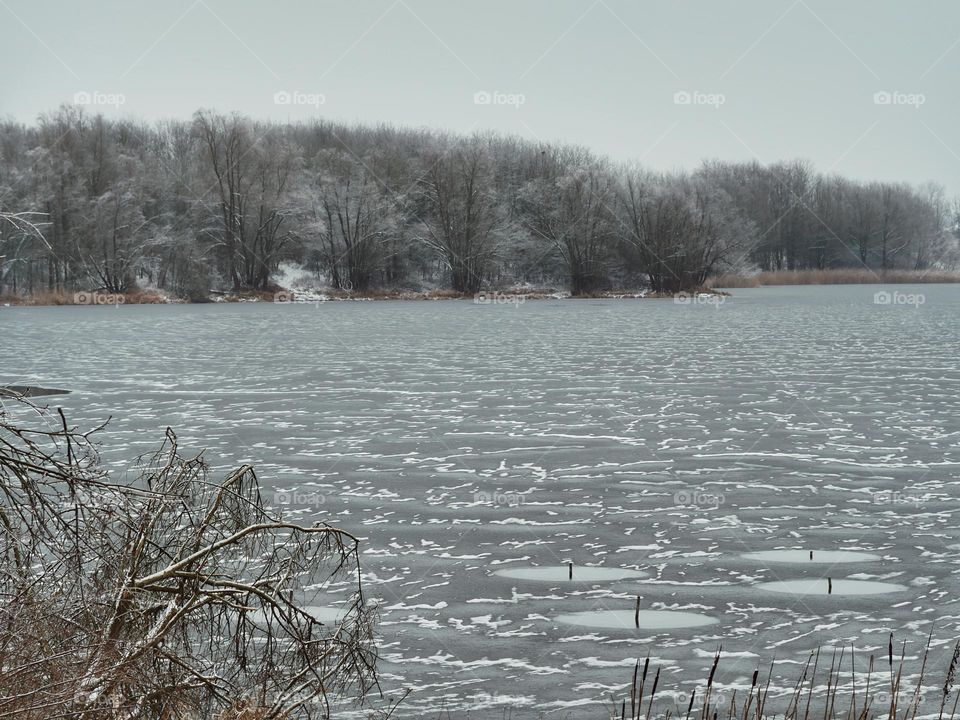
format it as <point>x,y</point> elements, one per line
<point>461,212</point>
<point>570,209</point>
<point>221,201</point>
<point>355,220</point>
<point>252,168</point>
<point>681,230</point>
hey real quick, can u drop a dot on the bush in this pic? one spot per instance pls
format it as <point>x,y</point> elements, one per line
<point>176,597</point>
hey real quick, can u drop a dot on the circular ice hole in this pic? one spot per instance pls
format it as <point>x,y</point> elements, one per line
<point>625,620</point>
<point>561,573</point>
<point>825,586</point>
<point>831,557</point>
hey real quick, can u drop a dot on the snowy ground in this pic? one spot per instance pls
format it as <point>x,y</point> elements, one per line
<point>460,439</point>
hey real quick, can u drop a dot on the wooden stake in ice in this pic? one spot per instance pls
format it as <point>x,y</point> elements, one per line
<point>570,570</point>
<point>829,586</point>
<point>811,554</point>
<point>636,613</point>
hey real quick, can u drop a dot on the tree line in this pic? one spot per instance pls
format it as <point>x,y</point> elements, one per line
<point>219,202</point>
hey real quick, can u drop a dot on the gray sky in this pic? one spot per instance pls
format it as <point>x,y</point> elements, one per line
<point>668,82</point>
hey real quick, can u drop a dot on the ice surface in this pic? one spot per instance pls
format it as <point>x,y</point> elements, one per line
<point>458,439</point>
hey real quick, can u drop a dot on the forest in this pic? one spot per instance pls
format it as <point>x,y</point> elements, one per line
<point>220,202</point>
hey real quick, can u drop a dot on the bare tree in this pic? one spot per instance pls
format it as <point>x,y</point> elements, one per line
<point>788,188</point>
<point>571,208</point>
<point>175,596</point>
<point>252,176</point>
<point>682,230</point>
<point>893,236</point>
<point>118,238</point>
<point>654,221</point>
<point>461,213</point>
<point>863,221</point>
<point>18,230</point>
<point>354,221</point>
<point>933,239</point>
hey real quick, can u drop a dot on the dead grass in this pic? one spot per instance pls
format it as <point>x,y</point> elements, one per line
<point>251,295</point>
<point>41,298</point>
<point>840,690</point>
<point>850,276</point>
<point>144,297</point>
<point>62,297</point>
<point>734,281</point>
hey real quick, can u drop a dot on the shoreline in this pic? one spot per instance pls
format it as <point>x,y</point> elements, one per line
<point>295,297</point>
<point>716,286</point>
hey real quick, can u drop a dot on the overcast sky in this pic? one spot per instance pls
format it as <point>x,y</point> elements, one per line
<point>669,82</point>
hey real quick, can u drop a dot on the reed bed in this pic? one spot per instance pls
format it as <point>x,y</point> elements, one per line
<point>839,691</point>
<point>832,277</point>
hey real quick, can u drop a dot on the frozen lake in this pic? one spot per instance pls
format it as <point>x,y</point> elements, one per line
<point>676,441</point>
